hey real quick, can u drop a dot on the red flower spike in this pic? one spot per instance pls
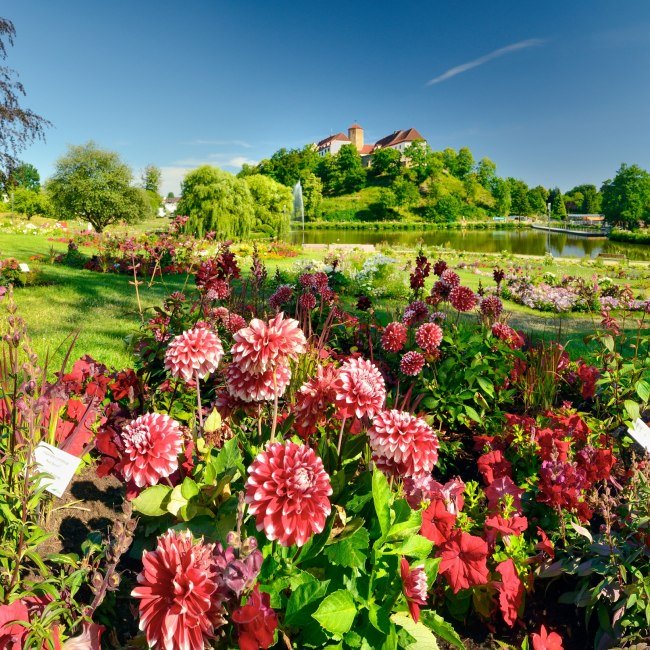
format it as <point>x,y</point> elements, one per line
<point>256,622</point>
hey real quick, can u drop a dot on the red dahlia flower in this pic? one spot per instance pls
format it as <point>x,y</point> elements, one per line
<point>429,337</point>
<point>180,606</point>
<point>394,337</point>
<point>491,306</point>
<point>307,301</point>
<point>261,345</point>
<point>283,294</point>
<point>511,337</point>
<point>313,399</point>
<point>288,492</point>
<point>450,278</point>
<point>414,587</point>
<point>256,622</point>
<point>412,363</point>
<point>359,388</point>
<point>463,299</point>
<point>262,387</point>
<point>464,561</point>
<point>405,443</point>
<point>195,351</point>
<point>151,444</point>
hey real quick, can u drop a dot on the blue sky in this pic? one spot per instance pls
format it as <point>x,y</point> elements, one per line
<point>554,92</point>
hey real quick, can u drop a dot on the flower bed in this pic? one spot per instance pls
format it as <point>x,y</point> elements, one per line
<point>297,474</point>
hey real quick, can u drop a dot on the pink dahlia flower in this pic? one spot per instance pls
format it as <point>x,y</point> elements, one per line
<point>491,306</point>
<point>414,587</point>
<point>313,400</point>
<point>394,337</point>
<point>151,444</point>
<point>261,345</point>
<point>360,389</point>
<point>450,278</point>
<point>283,294</point>
<point>263,387</point>
<point>429,337</point>
<point>195,351</point>
<point>288,492</point>
<point>406,443</point>
<point>180,606</point>
<point>463,299</point>
<point>307,301</point>
<point>412,363</point>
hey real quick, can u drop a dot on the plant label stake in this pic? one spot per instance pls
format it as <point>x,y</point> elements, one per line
<point>57,463</point>
<point>641,433</point>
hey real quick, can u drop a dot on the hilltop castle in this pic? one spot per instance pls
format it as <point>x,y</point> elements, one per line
<point>397,140</point>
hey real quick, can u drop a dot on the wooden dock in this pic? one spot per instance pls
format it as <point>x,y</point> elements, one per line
<point>599,234</point>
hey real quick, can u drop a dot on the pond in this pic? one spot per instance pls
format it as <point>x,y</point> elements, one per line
<point>522,242</point>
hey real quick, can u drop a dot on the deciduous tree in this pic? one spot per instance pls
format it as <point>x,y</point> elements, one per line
<point>95,185</point>
<point>626,198</point>
<point>273,204</point>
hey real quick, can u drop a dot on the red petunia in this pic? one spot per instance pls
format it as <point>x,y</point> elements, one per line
<point>256,622</point>
<point>493,465</point>
<point>498,489</point>
<point>545,545</point>
<point>546,640</point>
<point>464,561</point>
<point>498,525</point>
<point>437,522</point>
<point>511,591</point>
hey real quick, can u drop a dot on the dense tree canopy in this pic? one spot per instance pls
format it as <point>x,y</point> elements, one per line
<point>583,199</point>
<point>216,201</point>
<point>95,185</point>
<point>273,204</point>
<point>387,162</point>
<point>626,198</point>
<point>558,209</point>
<point>23,175</point>
<point>19,126</point>
<point>29,202</point>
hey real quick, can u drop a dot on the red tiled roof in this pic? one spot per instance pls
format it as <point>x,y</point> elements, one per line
<point>355,126</point>
<point>367,148</point>
<point>329,139</point>
<point>405,135</point>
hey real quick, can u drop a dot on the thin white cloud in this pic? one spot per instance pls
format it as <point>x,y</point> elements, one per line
<point>239,161</point>
<point>464,67</point>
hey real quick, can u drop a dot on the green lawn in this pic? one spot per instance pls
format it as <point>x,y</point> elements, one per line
<point>103,309</point>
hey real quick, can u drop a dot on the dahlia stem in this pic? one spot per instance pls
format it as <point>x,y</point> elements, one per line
<point>338,447</point>
<point>275,405</point>
<point>198,401</point>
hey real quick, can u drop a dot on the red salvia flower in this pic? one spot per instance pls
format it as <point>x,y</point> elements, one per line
<point>464,561</point>
<point>288,492</point>
<point>414,587</point>
<point>511,591</point>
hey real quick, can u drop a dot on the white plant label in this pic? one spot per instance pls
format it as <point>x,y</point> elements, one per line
<point>59,464</point>
<point>641,433</point>
<point>24,267</point>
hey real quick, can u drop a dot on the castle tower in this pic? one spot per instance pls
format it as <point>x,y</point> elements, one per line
<point>355,133</point>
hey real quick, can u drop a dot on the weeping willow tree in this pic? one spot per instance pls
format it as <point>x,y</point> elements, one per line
<point>273,205</point>
<point>217,201</point>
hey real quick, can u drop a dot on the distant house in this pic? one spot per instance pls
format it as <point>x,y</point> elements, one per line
<point>586,219</point>
<point>397,140</point>
<point>169,206</point>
